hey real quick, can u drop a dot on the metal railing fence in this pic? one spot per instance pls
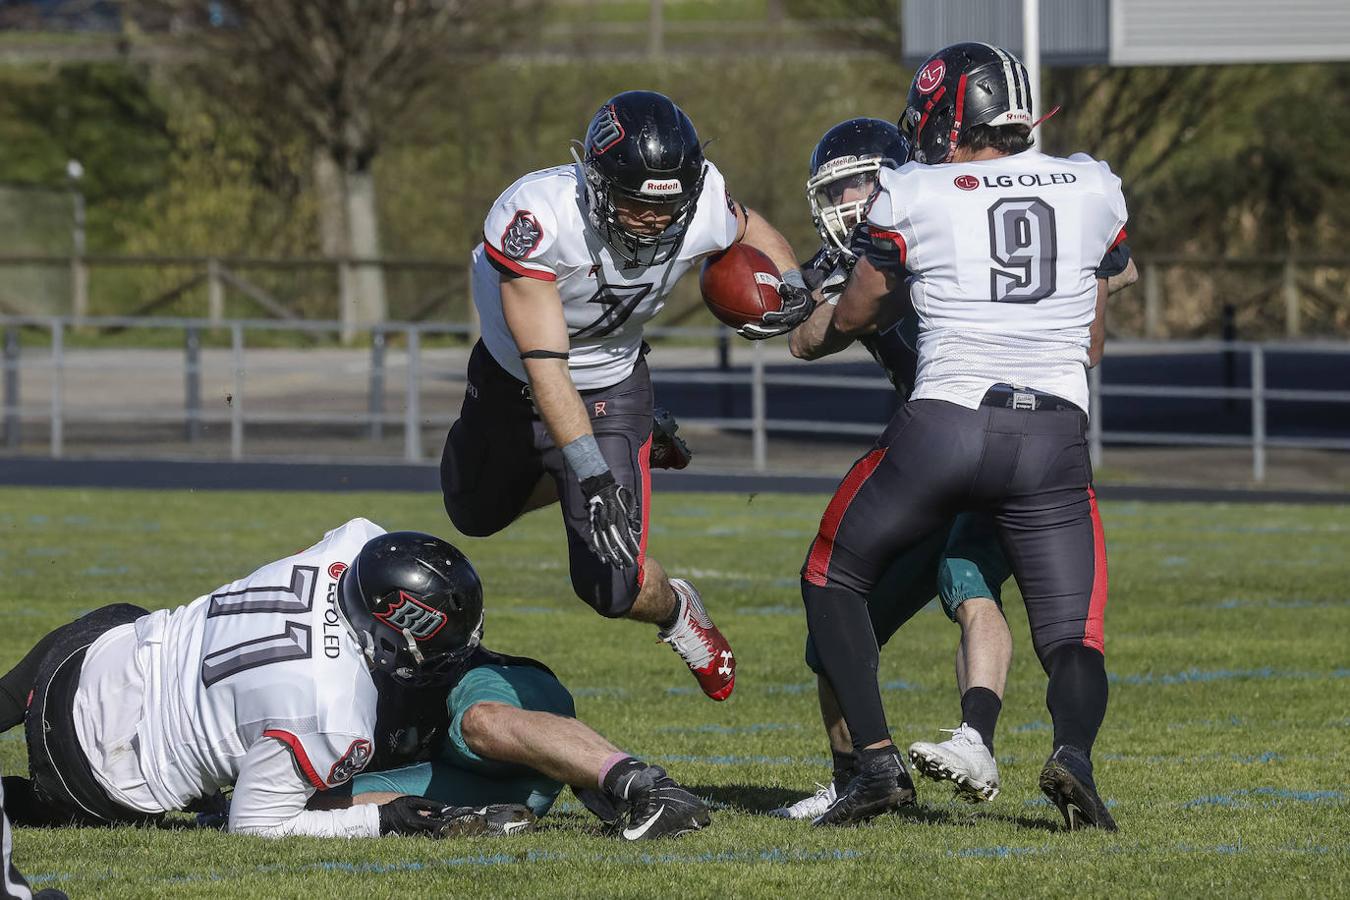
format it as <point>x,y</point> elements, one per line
<point>756,379</point>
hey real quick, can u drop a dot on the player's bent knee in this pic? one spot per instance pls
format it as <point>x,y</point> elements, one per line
<point>467,518</point>
<point>482,724</point>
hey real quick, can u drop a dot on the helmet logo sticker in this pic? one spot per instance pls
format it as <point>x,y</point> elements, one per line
<point>663,187</point>
<point>930,76</point>
<point>966,182</point>
<point>413,616</point>
<point>522,236</point>
<point>605,131</point>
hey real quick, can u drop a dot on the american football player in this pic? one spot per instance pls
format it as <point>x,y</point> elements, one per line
<point>961,562</point>
<point>575,259</point>
<point>503,730</point>
<point>1002,247</point>
<point>264,684</point>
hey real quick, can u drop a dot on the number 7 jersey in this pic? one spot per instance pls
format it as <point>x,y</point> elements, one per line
<point>1003,254</point>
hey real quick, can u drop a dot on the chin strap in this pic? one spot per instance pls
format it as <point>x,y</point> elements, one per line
<point>412,647</point>
<point>1037,123</point>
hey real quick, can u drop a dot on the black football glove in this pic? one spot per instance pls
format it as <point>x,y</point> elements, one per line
<point>414,815</point>
<point>797,307</point>
<point>615,528</point>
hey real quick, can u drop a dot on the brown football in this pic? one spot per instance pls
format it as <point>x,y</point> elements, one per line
<point>740,285</point>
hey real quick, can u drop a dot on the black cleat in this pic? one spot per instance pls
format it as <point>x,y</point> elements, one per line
<point>659,807</point>
<point>881,786</point>
<point>668,450</point>
<point>1067,781</point>
<point>496,819</point>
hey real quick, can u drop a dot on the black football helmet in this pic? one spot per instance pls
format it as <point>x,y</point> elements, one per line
<point>415,605</point>
<point>849,156</point>
<point>641,146</point>
<point>961,86</point>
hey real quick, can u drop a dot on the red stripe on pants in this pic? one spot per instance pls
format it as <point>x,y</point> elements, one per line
<point>822,548</point>
<point>1094,635</point>
<point>644,466</point>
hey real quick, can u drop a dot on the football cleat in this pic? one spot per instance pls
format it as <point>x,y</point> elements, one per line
<point>668,450</point>
<point>881,785</point>
<point>1067,781</point>
<point>700,644</point>
<point>496,819</point>
<point>660,807</point>
<point>962,759</point>
<point>808,807</point>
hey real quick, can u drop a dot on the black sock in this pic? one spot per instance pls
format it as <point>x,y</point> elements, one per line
<point>979,709</point>
<point>619,774</point>
<point>841,631</point>
<point>18,683</point>
<point>1076,696</point>
<point>675,612</point>
<point>845,767</point>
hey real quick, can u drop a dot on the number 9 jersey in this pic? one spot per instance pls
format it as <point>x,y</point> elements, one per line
<point>1003,254</point>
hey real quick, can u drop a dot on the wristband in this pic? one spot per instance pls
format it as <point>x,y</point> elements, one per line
<point>584,457</point>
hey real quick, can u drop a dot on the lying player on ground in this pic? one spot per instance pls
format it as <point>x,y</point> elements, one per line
<point>575,260</point>
<point>264,684</point>
<point>961,562</point>
<point>503,730</point>
<point>1010,314</point>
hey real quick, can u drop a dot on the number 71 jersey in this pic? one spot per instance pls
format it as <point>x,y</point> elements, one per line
<point>264,657</point>
<point>1003,254</point>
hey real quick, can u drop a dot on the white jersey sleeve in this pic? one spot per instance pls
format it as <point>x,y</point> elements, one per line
<point>273,787</point>
<point>520,233</point>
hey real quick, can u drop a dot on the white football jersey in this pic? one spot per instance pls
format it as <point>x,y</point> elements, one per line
<point>1003,254</point>
<point>168,707</point>
<point>538,228</point>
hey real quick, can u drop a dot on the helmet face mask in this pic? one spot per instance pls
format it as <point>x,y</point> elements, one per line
<point>844,175</point>
<point>642,155</point>
<point>414,605</point>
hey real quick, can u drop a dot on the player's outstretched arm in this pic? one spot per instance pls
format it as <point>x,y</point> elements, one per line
<point>563,748</point>
<point>860,308</point>
<point>271,794</point>
<point>815,338</point>
<point>534,315</point>
<point>797,302</point>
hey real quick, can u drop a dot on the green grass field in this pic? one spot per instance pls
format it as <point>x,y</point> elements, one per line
<point>1223,754</point>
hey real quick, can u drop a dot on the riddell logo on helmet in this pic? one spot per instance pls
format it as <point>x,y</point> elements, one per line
<point>413,616</point>
<point>662,188</point>
<point>930,76</point>
<point>966,182</point>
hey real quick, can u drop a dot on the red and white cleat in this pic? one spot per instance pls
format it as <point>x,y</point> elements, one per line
<point>700,644</point>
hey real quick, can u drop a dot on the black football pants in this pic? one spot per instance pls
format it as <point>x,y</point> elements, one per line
<point>1030,469</point>
<point>498,450</point>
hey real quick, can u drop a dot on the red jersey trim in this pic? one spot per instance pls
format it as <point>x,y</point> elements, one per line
<point>301,757</point>
<point>822,548</point>
<point>1094,634</point>
<point>507,262</point>
<point>894,237</point>
<point>1120,239</point>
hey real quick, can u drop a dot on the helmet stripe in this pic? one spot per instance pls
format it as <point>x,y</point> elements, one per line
<point>1014,83</point>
